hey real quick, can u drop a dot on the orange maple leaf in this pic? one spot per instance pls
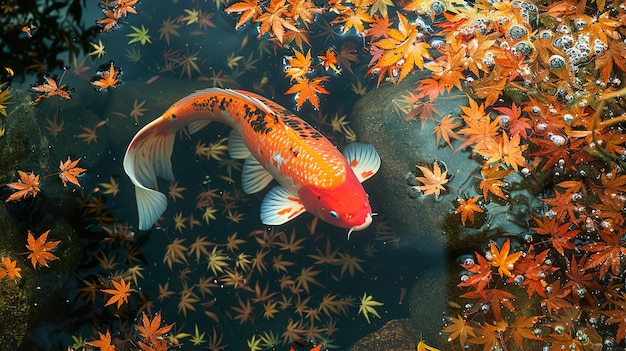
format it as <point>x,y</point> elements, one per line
<point>10,269</point>
<point>432,181</point>
<point>403,49</point>
<point>501,258</point>
<point>27,185</point>
<point>40,249</point>
<point>106,77</point>
<point>445,130</point>
<point>298,65</point>
<point>353,18</point>
<point>467,208</point>
<point>329,60</point>
<point>104,343</point>
<point>249,9</point>
<point>276,20</point>
<point>458,328</point>
<point>110,21</point>
<point>306,89</point>
<point>120,293</point>
<point>69,171</point>
<point>493,180</point>
<point>152,330</point>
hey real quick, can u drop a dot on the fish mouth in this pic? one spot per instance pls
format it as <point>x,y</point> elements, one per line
<point>365,224</point>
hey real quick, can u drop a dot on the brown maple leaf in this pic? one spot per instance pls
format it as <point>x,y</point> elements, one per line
<point>48,89</point>
<point>27,185</point>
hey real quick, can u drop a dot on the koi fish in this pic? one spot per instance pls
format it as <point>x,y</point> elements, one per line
<point>313,175</point>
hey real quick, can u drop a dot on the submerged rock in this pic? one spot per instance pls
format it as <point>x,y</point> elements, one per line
<point>395,335</point>
<point>427,220</point>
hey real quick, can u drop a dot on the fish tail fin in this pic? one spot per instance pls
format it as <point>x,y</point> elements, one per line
<point>150,205</point>
<point>148,156</point>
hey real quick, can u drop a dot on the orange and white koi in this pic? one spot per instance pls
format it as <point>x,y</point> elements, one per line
<point>313,175</point>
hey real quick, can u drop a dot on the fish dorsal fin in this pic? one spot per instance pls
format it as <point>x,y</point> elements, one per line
<point>254,177</point>
<point>363,159</point>
<point>195,126</point>
<point>237,149</point>
<point>279,206</point>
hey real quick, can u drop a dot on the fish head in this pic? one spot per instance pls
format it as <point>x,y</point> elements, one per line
<point>345,206</point>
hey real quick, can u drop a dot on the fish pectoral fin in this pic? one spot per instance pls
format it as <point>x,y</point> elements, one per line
<point>195,126</point>
<point>254,177</point>
<point>237,149</point>
<point>363,159</point>
<point>279,207</point>
<point>150,205</point>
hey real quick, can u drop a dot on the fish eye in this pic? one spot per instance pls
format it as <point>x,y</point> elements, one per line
<point>333,215</point>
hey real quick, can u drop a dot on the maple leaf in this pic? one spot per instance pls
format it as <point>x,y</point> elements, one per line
<point>366,306</point>
<point>152,330</point>
<point>481,273</point>
<point>40,249</point>
<point>614,54</point>
<point>329,61</point>
<point>480,129</point>
<point>403,48</point>
<point>433,181</point>
<point>489,335</point>
<point>379,28</point>
<point>495,298</point>
<point>493,181</point>
<point>110,21</point>
<point>523,328</point>
<point>10,269</point>
<point>104,343</point>
<point>467,208</point>
<point>430,87</point>
<point>607,253</point>
<point>353,18</point>
<point>555,299</point>
<point>276,20</point>
<point>69,171</point>
<point>120,293</point>
<point>511,152</point>
<point>534,269</point>
<point>459,329</point>
<point>306,89</point>
<point>298,65</point>
<point>501,258</point>
<point>618,314</point>
<point>445,130</point>
<point>347,53</point>
<point>48,89</point>
<point>106,77</point>
<point>561,236</point>
<point>581,282</point>
<point>27,185</point>
<point>511,118</point>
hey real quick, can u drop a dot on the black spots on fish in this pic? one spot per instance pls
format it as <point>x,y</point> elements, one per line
<point>256,118</point>
<point>207,104</point>
<point>224,104</point>
<point>304,129</point>
<point>294,152</point>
